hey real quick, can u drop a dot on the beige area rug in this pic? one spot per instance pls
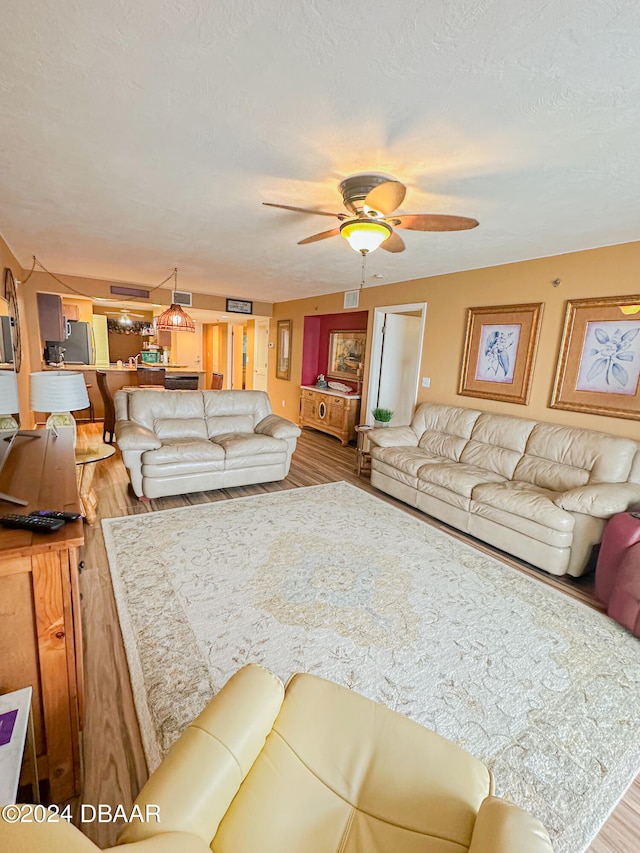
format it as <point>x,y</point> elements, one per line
<point>333,581</point>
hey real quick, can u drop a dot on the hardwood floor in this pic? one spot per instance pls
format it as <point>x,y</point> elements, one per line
<point>114,764</point>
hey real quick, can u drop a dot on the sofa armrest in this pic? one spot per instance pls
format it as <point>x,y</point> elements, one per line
<point>132,436</point>
<point>502,827</point>
<point>601,500</point>
<point>202,772</point>
<point>400,436</point>
<point>277,427</point>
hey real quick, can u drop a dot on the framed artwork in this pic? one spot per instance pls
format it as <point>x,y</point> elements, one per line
<point>599,362</point>
<point>499,352</point>
<point>239,306</point>
<point>283,349</point>
<point>346,354</point>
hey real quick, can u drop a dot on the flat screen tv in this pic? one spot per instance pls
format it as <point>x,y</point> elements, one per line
<point>9,407</point>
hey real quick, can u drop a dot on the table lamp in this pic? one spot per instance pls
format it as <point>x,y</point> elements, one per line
<point>59,392</point>
<point>9,405</point>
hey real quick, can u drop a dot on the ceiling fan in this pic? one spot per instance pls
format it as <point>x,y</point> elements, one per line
<point>371,199</point>
<point>124,316</point>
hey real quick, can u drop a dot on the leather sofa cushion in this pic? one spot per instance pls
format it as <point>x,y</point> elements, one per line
<point>394,473</point>
<point>458,477</point>
<point>181,469</point>
<point>255,404</point>
<point>184,450</point>
<point>442,445</point>
<point>497,443</point>
<point>526,500</point>
<point>528,526</point>
<point>408,459</point>
<point>563,458</point>
<point>170,429</point>
<point>256,460</point>
<point>451,420</point>
<point>239,444</point>
<point>147,407</point>
<point>369,781</point>
<point>225,424</point>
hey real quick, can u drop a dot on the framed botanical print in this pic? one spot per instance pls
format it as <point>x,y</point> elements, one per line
<point>346,354</point>
<point>283,349</point>
<point>499,352</point>
<point>599,362</point>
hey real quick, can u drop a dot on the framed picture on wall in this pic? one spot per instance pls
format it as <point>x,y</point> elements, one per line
<point>346,354</point>
<point>283,349</point>
<point>499,352</point>
<point>599,361</point>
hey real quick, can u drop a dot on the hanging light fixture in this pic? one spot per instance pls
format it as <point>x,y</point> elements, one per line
<point>174,319</point>
<point>365,235</point>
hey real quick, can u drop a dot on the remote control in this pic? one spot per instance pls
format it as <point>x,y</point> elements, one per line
<point>32,522</point>
<point>52,513</point>
<point>634,514</point>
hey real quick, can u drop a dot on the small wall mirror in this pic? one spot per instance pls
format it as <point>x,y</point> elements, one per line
<point>283,350</point>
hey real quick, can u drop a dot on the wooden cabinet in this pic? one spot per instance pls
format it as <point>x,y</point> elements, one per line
<point>50,317</point>
<point>40,629</point>
<point>330,411</point>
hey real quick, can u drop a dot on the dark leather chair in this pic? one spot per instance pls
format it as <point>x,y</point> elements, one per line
<point>109,407</point>
<point>151,376</point>
<point>216,381</point>
<point>182,383</point>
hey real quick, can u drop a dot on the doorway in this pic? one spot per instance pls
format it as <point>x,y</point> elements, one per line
<point>260,354</point>
<point>396,354</point>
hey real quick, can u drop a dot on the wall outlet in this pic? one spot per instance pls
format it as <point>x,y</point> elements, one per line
<point>426,381</point>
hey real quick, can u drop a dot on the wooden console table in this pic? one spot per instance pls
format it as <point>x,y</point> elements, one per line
<point>330,411</point>
<point>41,636</point>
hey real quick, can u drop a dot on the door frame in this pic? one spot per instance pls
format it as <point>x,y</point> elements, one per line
<point>377,338</point>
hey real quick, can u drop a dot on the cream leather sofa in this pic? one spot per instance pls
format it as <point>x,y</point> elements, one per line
<point>313,769</point>
<point>174,442</point>
<point>539,491</point>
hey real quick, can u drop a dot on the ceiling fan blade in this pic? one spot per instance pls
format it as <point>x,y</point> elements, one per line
<point>433,222</point>
<point>395,243</point>
<point>321,236</point>
<point>304,210</point>
<point>385,198</point>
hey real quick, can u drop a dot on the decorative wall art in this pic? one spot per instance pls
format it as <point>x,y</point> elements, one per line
<point>283,349</point>
<point>346,354</point>
<point>599,363</point>
<point>499,351</point>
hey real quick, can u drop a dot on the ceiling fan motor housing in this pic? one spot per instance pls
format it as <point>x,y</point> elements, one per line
<point>356,188</point>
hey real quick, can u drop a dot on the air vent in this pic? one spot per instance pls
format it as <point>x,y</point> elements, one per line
<point>181,297</point>
<point>351,298</point>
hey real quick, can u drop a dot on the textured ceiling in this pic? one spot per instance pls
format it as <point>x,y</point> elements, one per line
<point>137,136</point>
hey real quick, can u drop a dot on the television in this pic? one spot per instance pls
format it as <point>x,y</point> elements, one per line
<point>9,406</point>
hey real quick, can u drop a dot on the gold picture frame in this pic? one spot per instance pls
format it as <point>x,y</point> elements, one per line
<point>499,352</point>
<point>346,354</point>
<point>283,349</point>
<point>598,368</point>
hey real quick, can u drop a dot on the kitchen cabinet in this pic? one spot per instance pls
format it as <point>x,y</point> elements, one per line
<point>330,411</point>
<point>51,317</point>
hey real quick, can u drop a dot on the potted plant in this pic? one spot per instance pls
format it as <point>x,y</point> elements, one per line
<point>382,417</point>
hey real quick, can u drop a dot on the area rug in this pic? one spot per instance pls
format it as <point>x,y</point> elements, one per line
<point>331,580</point>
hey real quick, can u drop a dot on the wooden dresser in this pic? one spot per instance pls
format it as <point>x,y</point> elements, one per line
<point>40,628</point>
<point>330,411</point>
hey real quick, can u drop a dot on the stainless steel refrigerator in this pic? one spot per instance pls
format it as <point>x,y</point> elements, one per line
<point>79,345</point>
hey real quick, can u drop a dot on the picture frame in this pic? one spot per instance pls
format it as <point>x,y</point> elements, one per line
<point>598,369</point>
<point>283,349</point>
<point>346,354</point>
<point>499,352</point>
<point>239,306</point>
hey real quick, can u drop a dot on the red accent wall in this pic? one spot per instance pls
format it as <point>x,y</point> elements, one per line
<point>315,347</point>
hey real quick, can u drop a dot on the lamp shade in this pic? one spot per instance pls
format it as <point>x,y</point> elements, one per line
<point>365,235</point>
<point>9,404</point>
<point>174,319</point>
<point>58,391</point>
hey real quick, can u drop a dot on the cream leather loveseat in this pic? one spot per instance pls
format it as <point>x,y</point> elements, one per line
<point>539,491</point>
<point>174,442</point>
<point>314,768</point>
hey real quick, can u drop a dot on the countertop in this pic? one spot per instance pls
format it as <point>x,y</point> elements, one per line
<point>170,368</point>
<point>332,392</point>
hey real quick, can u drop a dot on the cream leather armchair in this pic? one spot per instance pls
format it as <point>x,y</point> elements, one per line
<point>314,768</point>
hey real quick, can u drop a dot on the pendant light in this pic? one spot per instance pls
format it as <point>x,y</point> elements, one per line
<point>175,319</point>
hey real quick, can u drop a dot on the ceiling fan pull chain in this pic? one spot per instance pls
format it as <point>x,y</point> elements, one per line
<point>364,261</point>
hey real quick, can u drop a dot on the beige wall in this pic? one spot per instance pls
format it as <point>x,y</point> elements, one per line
<point>610,271</point>
<point>8,259</point>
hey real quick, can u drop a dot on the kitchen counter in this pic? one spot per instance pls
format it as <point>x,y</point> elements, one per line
<point>170,368</point>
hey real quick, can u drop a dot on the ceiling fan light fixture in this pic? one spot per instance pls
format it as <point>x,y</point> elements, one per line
<point>365,235</point>
<point>125,320</point>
